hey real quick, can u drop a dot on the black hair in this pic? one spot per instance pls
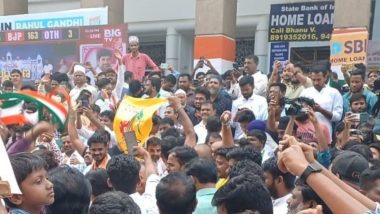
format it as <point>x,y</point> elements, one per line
<point>24,164</point>
<point>246,80</point>
<point>259,135</point>
<point>254,57</point>
<point>204,91</point>
<point>358,72</point>
<point>171,79</point>
<point>223,152</point>
<point>184,154</point>
<point>282,86</point>
<point>247,152</point>
<point>356,97</point>
<point>368,177</point>
<point>362,149</point>
<point>72,191</point>
<point>102,83</point>
<point>200,74</point>
<point>320,68</point>
<point>242,193</point>
<point>98,180</point>
<point>60,77</point>
<point>128,75</point>
<point>103,52</point>
<point>308,194</point>
<point>153,141</point>
<point>245,116</point>
<point>115,202</point>
<point>134,87</point>
<point>95,108</point>
<point>48,156</point>
<point>7,83</point>
<point>101,136</point>
<point>28,87</point>
<point>16,71</point>
<point>109,114</point>
<point>185,75</point>
<point>212,104</point>
<point>176,194</point>
<point>213,135</point>
<point>170,132</point>
<point>123,171</point>
<point>227,74</point>
<point>213,124</point>
<point>244,166</point>
<point>167,120</point>
<point>270,165</point>
<point>168,143</point>
<point>202,169</point>
<point>156,120</point>
<point>156,83</point>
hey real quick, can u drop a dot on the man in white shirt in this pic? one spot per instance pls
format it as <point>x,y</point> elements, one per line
<point>123,171</point>
<point>207,110</point>
<point>279,184</point>
<point>328,100</point>
<point>261,80</point>
<point>257,104</point>
<point>80,84</point>
<point>71,156</point>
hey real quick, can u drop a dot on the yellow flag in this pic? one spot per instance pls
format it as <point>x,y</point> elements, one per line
<point>135,114</point>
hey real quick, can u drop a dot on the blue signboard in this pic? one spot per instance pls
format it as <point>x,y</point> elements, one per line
<point>278,51</point>
<point>309,21</point>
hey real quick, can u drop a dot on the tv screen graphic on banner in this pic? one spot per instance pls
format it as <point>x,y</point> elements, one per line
<point>30,50</point>
<point>309,21</point>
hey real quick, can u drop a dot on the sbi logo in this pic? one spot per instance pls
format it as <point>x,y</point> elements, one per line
<point>349,47</point>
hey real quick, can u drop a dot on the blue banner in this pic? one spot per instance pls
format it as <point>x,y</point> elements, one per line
<point>309,21</point>
<point>278,51</point>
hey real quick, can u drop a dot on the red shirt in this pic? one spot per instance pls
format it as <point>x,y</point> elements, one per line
<point>138,64</point>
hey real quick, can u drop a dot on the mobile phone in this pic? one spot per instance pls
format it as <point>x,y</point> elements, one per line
<point>283,65</point>
<point>85,103</point>
<point>354,132</point>
<point>363,117</point>
<point>356,116</point>
<point>164,66</point>
<point>131,141</point>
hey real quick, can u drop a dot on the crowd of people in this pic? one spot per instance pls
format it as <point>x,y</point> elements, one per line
<point>294,141</point>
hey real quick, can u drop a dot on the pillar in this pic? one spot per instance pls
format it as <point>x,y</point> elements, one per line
<point>376,22</point>
<point>172,43</point>
<point>261,44</point>
<point>215,29</point>
<point>13,7</point>
<point>115,9</point>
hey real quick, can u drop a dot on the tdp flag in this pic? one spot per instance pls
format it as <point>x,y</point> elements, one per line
<point>135,114</point>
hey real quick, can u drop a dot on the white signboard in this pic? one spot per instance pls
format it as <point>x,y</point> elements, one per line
<point>60,19</point>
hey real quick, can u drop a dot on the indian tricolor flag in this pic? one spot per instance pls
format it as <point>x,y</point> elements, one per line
<point>11,108</point>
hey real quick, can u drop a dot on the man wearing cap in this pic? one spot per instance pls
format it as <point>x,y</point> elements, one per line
<point>79,78</point>
<point>136,61</point>
<point>348,166</point>
<point>190,111</point>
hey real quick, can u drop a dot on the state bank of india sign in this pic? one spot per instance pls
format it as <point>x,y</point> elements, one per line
<point>309,21</point>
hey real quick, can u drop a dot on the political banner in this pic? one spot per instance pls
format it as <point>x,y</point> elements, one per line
<point>308,21</point>
<point>31,50</point>
<point>278,51</point>
<point>349,46</point>
<point>60,19</point>
<point>135,114</point>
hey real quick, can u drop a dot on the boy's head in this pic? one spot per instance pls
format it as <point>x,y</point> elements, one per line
<point>7,86</point>
<point>257,138</point>
<point>358,103</point>
<point>98,144</point>
<point>32,178</point>
<point>153,145</point>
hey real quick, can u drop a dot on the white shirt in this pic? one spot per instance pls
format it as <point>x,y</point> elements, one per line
<point>48,69</point>
<point>81,166</point>
<point>261,83</point>
<point>201,132</point>
<point>329,99</point>
<point>280,205</point>
<point>74,93</point>
<point>147,201</point>
<point>257,104</point>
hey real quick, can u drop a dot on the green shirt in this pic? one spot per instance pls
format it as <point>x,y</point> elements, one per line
<point>204,197</point>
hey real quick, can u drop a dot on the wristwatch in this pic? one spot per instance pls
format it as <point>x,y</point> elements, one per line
<point>311,168</point>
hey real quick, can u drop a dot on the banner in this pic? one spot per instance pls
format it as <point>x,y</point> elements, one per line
<point>135,114</point>
<point>348,46</point>
<point>309,21</point>
<point>278,51</point>
<point>60,19</point>
<point>373,62</point>
<point>30,50</point>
